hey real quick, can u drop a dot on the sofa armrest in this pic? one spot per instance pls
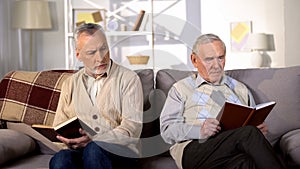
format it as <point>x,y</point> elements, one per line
<point>14,144</point>
<point>290,146</point>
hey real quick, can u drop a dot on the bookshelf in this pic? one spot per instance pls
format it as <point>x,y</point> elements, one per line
<point>161,35</point>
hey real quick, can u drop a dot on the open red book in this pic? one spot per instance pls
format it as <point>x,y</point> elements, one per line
<point>235,115</point>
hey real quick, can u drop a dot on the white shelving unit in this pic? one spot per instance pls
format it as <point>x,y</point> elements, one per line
<point>163,39</point>
<point>115,38</point>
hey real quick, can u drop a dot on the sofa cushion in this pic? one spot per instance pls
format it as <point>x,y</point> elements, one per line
<point>281,85</point>
<point>165,78</point>
<point>290,145</point>
<point>157,162</point>
<point>33,161</point>
<point>147,79</point>
<point>14,144</point>
<point>30,97</point>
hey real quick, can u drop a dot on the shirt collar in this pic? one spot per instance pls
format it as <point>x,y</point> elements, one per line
<point>200,81</point>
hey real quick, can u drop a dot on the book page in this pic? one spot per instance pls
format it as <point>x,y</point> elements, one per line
<point>259,106</point>
<point>65,123</point>
<point>41,126</point>
<point>261,114</point>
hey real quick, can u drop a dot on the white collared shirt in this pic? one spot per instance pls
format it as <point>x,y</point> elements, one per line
<point>94,85</point>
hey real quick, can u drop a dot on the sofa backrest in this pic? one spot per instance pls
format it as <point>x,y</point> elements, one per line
<point>278,84</point>
<point>165,78</point>
<point>32,97</point>
<point>281,85</point>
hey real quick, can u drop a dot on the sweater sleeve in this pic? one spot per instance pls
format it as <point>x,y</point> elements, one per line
<point>173,127</point>
<point>64,109</point>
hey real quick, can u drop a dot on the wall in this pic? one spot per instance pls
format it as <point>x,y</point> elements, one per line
<point>217,16</point>
<point>292,32</point>
<point>278,17</point>
<point>167,36</point>
<point>50,43</point>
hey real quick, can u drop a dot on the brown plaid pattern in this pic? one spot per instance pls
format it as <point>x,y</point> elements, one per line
<point>31,97</point>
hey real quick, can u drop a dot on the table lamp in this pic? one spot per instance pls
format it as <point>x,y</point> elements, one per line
<point>31,14</point>
<point>259,44</point>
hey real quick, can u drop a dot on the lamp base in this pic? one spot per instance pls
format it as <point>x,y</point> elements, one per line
<point>256,59</point>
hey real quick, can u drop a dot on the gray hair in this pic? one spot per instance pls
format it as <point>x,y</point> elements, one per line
<point>89,28</point>
<point>204,39</point>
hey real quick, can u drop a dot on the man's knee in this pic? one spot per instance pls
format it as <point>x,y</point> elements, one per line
<point>61,159</point>
<point>242,161</point>
<point>91,146</point>
<point>93,149</point>
<point>250,131</point>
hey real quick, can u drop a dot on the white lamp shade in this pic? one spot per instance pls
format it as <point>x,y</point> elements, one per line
<point>31,14</point>
<point>260,42</point>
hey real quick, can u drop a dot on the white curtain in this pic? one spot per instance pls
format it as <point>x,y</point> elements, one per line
<point>11,55</point>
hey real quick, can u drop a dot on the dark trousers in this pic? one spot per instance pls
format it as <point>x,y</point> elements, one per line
<point>242,148</point>
<point>90,157</point>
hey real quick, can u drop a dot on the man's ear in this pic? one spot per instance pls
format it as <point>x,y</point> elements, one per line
<point>77,54</point>
<point>194,59</point>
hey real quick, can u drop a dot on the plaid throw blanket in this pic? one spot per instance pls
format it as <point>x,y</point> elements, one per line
<point>31,97</point>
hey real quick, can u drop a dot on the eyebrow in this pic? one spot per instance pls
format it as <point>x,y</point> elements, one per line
<point>98,47</point>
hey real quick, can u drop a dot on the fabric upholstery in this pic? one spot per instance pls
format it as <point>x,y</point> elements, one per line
<point>165,78</point>
<point>146,76</point>
<point>30,97</point>
<point>290,145</point>
<point>157,162</point>
<point>14,144</point>
<point>278,84</point>
<point>30,162</point>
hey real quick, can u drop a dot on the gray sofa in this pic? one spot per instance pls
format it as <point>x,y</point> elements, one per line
<point>282,85</point>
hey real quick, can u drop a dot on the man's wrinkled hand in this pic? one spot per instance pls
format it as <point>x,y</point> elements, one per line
<point>75,143</point>
<point>210,127</point>
<point>263,128</point>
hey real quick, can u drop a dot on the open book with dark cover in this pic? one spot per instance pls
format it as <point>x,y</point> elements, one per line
<point>68,129</point>
<point>235,115</point>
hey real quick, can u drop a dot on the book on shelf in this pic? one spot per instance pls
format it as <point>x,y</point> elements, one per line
<point>67,129</point>
<point>233,115</point>
<point>138,21</point>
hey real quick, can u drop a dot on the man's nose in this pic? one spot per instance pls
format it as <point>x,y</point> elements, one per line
<point>100,55</point>
<point>215,61</point>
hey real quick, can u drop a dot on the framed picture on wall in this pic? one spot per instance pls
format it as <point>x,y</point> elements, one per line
<point>81,16</point>
<point>239,33</point>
